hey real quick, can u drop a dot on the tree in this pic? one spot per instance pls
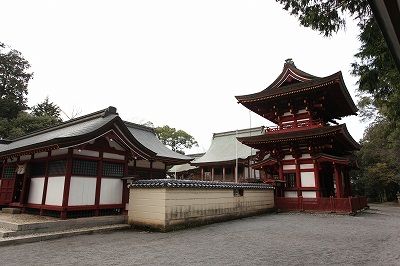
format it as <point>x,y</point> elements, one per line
<point>47,108</point>
<point>15,121</point>
<point>177,140</point>
<point>14,78</point>
<point>26,123</point>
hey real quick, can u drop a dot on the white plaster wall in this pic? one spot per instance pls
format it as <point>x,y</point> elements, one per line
<point>41,154</point>
<point>113,156</point>
<point>306,166</point>
<point>309,194</point>
<point>288,157</point>
<point>59,152</point>
<point>115,145</point>
<point>307,179</point>
<point>143,163</point>
<point>111,191</point>
<point>305,156</point>
<point>168,207</point>
<point>158,165</point>
<point>55,190</point>
<point>147,206</point>
<point>25,158</point>
<point>87,153</point>
<point>301,111</point>
<point>289,167</point>
<point>36,190</point>
<point>291,194</point>
<point>82,191</point>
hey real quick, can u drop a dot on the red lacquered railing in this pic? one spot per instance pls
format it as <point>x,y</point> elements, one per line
<point>331,204</point>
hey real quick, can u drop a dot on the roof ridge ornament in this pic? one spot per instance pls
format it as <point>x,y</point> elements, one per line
<point>290,61</point>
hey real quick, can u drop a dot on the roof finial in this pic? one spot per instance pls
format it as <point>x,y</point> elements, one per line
<point>289,61</point>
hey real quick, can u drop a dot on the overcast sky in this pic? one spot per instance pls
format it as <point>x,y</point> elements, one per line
<point>175,62</point>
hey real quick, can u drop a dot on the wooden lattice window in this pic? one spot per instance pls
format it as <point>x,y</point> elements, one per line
<point>113,169</point>
<point>84,167</point>
<point>57,168</point>
<point>38,169</point>
<point>290,179</point>
<point>9,171</point>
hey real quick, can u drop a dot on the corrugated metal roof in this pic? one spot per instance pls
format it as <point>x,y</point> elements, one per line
<point>223,146</point>
<point>147,137</point>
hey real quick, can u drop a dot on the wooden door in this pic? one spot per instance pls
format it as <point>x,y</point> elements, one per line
<point>7,190</point>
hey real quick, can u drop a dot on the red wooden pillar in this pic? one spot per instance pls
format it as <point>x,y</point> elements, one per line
<point>202,173</point>
<point>223,173</point>
<point>67,184</point>
<point>98,184</point>
<point>212,173</point>
<point>46,181</point>
<point>125,189</point>
<point>316,176</point>
<point>298,177</point>
<point>338,180</point>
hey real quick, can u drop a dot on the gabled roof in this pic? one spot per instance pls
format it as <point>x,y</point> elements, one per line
<point>293,81</point>
<point>223,147</point>
<point>185,167</point>
<point>148,138</point>
<point>83,129</point>
<point>339,131</point>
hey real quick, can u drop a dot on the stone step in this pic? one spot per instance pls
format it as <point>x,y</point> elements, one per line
<point>59,234</point>
<point>59,225</point>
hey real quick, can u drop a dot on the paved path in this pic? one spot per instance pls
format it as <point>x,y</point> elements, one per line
<point>371,238</point>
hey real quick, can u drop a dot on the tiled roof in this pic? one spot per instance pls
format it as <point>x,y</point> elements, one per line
<point>147,137</point>
<point>302,82</point>
<point>90,126</point>
<point>172,183</point>
<point>223,147</point>
<point>301,134</point>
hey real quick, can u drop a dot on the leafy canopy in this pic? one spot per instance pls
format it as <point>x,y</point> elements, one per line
<point>14,78</point>
<point>15,120</point>
<point>177,140</point>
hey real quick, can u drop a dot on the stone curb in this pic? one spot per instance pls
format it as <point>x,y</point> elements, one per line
<point>56,235</point>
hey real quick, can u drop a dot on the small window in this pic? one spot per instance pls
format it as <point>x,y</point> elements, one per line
<point>84,167</point>
<point>290,179</point>
<point>238,192</point>
<point>57,168</point>
<point>9,171</point>
<point>38,169</point>
<point>113,169</point>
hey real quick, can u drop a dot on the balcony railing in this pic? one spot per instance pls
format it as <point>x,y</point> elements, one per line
<point>293,126</point>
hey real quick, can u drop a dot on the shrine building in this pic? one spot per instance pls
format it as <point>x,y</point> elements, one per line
<point>308,154</point>
<point>81,167</point>
<point>227,159</point>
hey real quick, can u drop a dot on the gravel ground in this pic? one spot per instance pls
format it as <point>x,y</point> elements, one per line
<point>24,218</point>
<point>370,238</point>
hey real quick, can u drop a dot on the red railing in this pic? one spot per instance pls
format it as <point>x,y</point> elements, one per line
<point>294,126</point>
<point>331,204</point>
